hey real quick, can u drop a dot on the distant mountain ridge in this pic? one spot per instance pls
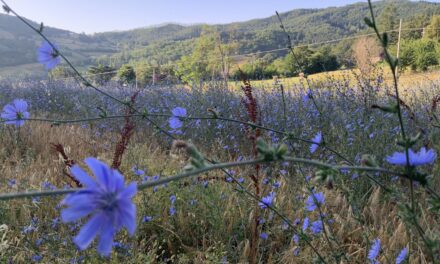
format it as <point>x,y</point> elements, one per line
<point>169,42</point>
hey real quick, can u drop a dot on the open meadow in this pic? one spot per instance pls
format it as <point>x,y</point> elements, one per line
<point>334,167</point>
<point>208,218</point>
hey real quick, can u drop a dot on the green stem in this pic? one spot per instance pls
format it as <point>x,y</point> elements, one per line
<point>202,170</point>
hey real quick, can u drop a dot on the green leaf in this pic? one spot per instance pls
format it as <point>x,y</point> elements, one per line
<point>385,39</point>
<point>392,108</point>
<point>368,22</point>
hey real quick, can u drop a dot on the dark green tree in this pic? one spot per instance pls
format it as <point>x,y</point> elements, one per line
<point>419,54</point>
<point>101,74</point>
<point>126,74</point>
<point>322,60</point>
<point>389,20</point>
<point>432,31</point>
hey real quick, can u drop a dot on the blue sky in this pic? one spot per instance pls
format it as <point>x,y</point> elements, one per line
<point>106,15</point>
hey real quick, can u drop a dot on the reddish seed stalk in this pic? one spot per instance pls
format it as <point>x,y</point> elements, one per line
<point>126,133</point>
<point>251,106</point>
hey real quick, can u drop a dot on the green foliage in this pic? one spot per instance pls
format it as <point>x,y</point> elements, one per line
<point>144,73</point>
<point>168,43</point>
<point>433,29</point>
<point>209,59</point>
<point>419,54</point>
<point>126,74</point>
<point>305,60</point>
<point>388,18</point>
<point>62,73</point>
<point>323,60</point>
<point>101,74</point>
<point>256,69</point>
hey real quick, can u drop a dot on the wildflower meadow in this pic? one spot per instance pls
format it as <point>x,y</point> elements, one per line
<point>328,171</point>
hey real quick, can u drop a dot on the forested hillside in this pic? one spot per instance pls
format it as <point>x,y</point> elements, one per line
<point>167,43</point>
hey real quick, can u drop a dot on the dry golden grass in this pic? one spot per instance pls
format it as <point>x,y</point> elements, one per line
<point>34,161</point>
<point>406,79</point>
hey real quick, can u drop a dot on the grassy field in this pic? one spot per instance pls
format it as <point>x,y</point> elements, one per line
<point>407,79</point>
<point>211,218</point>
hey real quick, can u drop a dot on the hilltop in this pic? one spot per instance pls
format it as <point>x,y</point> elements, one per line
<point>167,43</point>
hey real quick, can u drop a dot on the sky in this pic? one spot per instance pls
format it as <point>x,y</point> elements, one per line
<point>91,16</point>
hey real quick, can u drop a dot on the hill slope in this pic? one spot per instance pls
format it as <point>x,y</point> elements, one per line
<point>169,42</point>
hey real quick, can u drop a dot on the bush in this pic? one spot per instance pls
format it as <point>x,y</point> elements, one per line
<point>419,54</point>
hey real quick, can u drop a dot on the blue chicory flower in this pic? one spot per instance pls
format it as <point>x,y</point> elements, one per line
<point>317,140</point>
<point>37,258</point>
<point>305,224</point>
<point>312,203</point>
<point>374,250</point>
<point>15,112</point>
<point>12,182</point>
<point>267,201</point>
<point>316,227</point>
<point>175,121</point>
<point>172,199</point>
<point>107,199</point>
<point>147,219</point>
<point>48,56</point>
<point>172,210</point>
<point>415,158</point>
<point>402,256</point>
<point>295,239</point>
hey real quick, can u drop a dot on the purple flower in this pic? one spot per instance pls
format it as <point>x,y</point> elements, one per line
<point>37,258</point>
<point>295,239</point>
<point>38,242</point>
<point>267,201</point>
<point>354,176</point>
<point>374,251</point>
<point>145,179</point>
<point>137,171</point>
<point>317,140</point>
<point>415,159</point>
<point>48,56</point>
<point>172,210</point>
<point>175,121</point>
<point>316,227</point>
<point>172,199</point>
<point>402,256</point>
<point>264,236</point>
<point>314,200</point>
<point>147,219</point>
<point>305,224</point>
<point>107,199</point>
<point>15,112</point>
<point>205,184</point>
<point>12,182</point>
<point>179,112</point>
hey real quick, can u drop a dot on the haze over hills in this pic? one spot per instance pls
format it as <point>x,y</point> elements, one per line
<point>167,43</point>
